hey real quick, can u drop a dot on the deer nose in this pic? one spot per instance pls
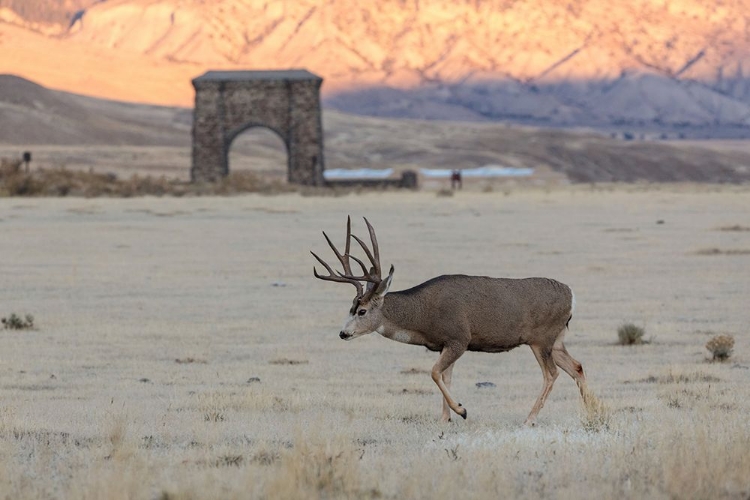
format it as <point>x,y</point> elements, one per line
<point>344,335</point>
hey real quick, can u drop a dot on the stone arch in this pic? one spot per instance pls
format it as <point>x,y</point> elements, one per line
<point>233,134</point>
<point>229,102</point>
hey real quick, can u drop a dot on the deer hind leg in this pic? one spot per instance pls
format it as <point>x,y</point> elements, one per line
<point>448,356</point>
<point>543,356</point>
<point>447,376</point>
<point>570,366</point>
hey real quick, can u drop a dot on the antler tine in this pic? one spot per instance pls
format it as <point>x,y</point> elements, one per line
<point>348,247</point>
<point>361,264</point>
<point>348,234</point>
<point>374,259</point>
<point>333,276</point>
<point>336,251</point>
<point>375,248</point>
<point>364,247</point>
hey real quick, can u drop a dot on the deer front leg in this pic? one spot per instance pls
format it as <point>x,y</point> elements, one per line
<point>447,376</point>
<point>448,356</point>
<point>549,371</point>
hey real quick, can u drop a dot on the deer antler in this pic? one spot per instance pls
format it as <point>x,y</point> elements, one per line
<point>376,258</point>
<point>372,276</point>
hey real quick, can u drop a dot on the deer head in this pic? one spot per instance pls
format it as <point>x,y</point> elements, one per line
<point>365,315</point>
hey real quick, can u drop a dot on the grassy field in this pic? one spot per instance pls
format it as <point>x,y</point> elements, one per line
<point>182,349</point>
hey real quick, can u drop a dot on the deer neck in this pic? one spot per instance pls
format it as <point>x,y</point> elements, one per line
<point>401,319</point>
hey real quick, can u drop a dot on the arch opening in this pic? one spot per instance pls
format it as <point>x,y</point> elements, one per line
<point>258,150</point>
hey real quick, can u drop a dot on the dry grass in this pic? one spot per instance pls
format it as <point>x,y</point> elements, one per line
<point>62,182</point>
<point>124,294</point>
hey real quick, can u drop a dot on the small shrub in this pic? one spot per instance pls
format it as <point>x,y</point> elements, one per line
<point>9,167</point>
<point>15,322</point>
<point>721,347</point>
<point>630,334</point>
<point>445,193</point>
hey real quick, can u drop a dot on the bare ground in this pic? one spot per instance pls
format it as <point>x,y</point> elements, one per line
<point>99,402</point>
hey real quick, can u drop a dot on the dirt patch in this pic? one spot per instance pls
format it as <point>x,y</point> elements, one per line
<point>415,371</point>
<point>286,361</point>
<point>419,392</point>
<point>189,361</point>
<point>723,251</point>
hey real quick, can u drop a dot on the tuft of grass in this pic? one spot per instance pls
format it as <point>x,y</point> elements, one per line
<point>265,457</point>
<point>15,322</point>
<point>596,416</point>
<point>720,347</point>
<point>229,460</point>
<point>214,415</point>
<point>630,334</point>
<point>318,470</point>
<point>444,193</point>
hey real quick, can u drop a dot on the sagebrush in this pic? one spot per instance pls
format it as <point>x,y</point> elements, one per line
<point>630,334</point>
<point>15,322</point>
<point>720,346</point>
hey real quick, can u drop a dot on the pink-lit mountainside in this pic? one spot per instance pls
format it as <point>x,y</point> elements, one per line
<point>672,68</point>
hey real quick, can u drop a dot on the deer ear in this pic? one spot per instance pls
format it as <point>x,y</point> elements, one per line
<point>385,284</point>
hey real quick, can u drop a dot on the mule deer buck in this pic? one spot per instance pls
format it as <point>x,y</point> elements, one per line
<point>451,314</point>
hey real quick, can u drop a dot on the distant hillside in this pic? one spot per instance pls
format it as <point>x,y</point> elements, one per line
<point>48,11</point>
<point>33,115</point>
<point>675,67</point>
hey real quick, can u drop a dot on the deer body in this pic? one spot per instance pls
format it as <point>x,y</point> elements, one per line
<point>452,314</point>
<point>485,314</point>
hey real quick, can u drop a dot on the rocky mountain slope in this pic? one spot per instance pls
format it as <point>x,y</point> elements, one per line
<point>674,67</point>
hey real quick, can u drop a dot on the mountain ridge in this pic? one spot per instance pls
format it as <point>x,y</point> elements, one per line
<point>674,67</point>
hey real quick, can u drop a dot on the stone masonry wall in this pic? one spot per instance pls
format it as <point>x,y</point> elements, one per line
<point>225,108</point>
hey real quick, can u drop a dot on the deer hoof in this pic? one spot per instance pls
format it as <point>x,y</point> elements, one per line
<point>464,414</point>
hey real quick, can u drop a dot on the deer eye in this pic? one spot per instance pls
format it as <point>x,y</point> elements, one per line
<point>362,312</point>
